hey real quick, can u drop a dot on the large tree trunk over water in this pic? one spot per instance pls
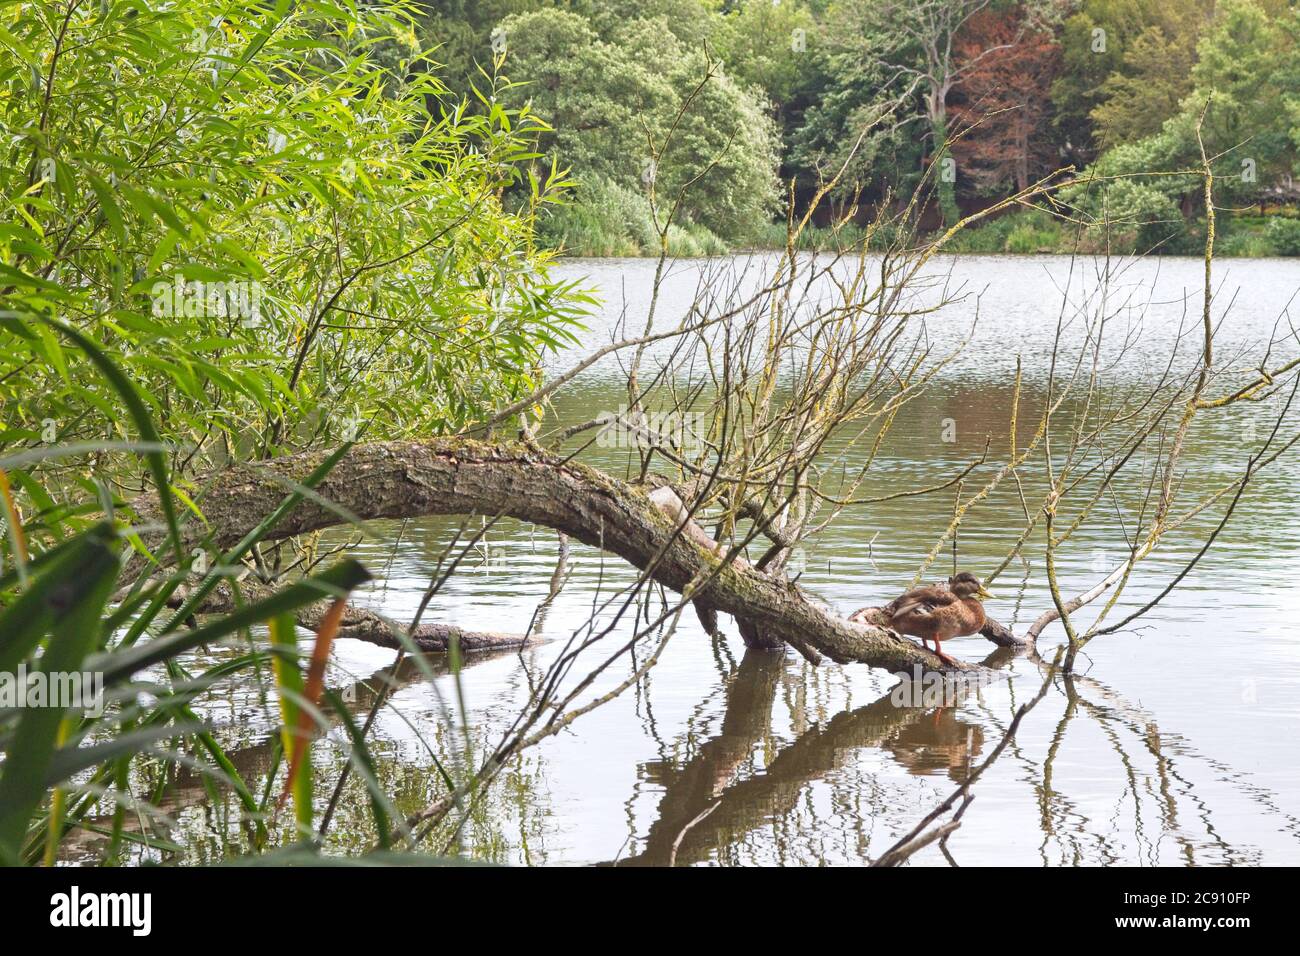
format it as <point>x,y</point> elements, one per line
<point>458,477</point>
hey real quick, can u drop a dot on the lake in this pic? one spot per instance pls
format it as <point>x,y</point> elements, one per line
<point>1178,743</point>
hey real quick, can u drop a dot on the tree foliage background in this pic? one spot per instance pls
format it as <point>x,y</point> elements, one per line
<point>810,86</point>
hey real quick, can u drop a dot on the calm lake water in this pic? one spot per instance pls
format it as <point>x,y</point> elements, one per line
<point>1178,744</point>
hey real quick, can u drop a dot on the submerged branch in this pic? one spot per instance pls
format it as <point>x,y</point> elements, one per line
<point>364,625</point>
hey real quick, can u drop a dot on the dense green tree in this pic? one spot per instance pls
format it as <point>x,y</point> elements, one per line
<point>1244,84</point>
<point>458,36</point>
<point>1149,86</point>
<point>778,49</point>
<point>1127,200</point>
<point>694,22</point>
<point>864,117</point>
<point>1246,71</point>
<point>1093,41</point>
<point>770,46</point>
<point>638,106</point>
<point>596,95</point>
<point>262,226</point>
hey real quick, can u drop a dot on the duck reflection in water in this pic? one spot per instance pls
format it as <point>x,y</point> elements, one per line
<point>705,806</point>
<point>942,744</point>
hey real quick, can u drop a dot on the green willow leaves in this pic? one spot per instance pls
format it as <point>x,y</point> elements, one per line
<point>252,206</point>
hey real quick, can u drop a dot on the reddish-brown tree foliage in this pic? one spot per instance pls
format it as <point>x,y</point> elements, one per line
<point>1002,104</point>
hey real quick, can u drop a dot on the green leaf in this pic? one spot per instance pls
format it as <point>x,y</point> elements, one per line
<point>143,422</point>
<point>74,600</point>
<point>289,682</point>
<point>58,583</point>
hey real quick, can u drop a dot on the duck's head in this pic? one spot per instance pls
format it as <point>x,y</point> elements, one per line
<point>966,585</point>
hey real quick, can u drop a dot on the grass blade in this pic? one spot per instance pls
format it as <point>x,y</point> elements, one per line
<point>55,593</point>
<point>79,605</point>
<point>289,683</point>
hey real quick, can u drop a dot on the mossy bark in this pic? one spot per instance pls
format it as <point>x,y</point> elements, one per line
<point>457,476</point>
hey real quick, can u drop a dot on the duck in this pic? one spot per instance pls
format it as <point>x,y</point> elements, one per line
<point>938,612</point>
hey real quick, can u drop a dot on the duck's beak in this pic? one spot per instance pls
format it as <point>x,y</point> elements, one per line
<point>985,594</point>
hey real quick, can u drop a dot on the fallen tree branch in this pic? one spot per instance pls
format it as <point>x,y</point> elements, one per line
<point>452,476</point>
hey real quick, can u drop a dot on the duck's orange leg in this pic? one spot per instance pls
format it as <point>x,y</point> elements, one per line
<point>938,652</point>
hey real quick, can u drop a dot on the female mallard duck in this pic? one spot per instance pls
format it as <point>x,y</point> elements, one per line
<point>939,612</point>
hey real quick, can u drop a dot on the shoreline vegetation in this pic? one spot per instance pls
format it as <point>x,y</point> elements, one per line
<point>714,117</point>
<point>616,226</point>
<point>711,118</point>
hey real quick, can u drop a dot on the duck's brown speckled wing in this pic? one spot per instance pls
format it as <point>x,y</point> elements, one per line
<point>920,602</point>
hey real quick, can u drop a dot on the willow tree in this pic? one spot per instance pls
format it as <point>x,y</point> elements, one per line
<point>253,209</point>
<point>231,232</point>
